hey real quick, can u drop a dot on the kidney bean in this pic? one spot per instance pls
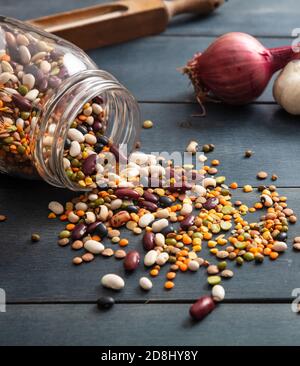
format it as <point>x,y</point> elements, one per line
<point>132,260</point>
<point>165,201</point>
<point>187,222</point>
<point>150,197</point>
<point>127,193</point>
<point>150,206</point>
<point>149,240</point>
<point>120,218</point>
<point>54,82</point>
<point>132,208</point>
<point>211,203</point>
<point>97,228</point>
<point>21,102</point>
<point>97,126</point>
<point>79,231</point>
<point>89,164</point>
<point>202,307</point>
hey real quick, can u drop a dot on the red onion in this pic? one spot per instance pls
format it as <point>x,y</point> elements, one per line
<point>235,68</point>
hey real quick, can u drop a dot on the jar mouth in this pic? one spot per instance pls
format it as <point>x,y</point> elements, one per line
<point>121,110</point>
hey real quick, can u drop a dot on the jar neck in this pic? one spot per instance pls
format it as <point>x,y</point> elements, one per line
<point>122,113</point>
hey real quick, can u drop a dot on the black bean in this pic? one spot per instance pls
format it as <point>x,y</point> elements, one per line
<point>132,209</point>
<point>98,147</point>
<point>82,129</point>
<point>102,140</point>
<point>97,228</point>
<point>167,230</point>
<point>67,144</point>
<point>282,236</point>
<point>105,302</point>
<point>165,201</point>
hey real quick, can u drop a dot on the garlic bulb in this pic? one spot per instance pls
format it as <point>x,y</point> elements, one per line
<point>286,89</point>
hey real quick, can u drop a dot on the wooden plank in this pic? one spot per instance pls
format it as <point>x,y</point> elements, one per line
<point>85,325</point>
<point>267,17</point>
<point>149,67</point>
<point>43,271</point>
<point>257,17</point>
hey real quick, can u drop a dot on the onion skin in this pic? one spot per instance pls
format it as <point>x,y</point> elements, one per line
<point>235,68</point>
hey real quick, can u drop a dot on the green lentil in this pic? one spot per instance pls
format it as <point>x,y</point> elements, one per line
<point>240,245</point>
<point>171,241</point>
<point>64,234</point>
<point>248,256</point>
<point>214,280</point>
<point>220,180</point>
<point>23,90</point>
<point>239,260</point>
<point>222,265</point>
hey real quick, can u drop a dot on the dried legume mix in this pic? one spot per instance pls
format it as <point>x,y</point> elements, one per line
<point>175,224</point>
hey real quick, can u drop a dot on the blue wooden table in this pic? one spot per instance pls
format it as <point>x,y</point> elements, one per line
<point>52,302</point>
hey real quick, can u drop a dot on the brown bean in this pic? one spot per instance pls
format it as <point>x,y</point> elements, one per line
<point>202,307</point>
<point>127,193</point>
<point>132,260</point>
<point>150,197</point>
<point>187,222</point>
<point>79,231</point>
<point>150,206</point>
<point>148,240</point>
<point>120,219</point>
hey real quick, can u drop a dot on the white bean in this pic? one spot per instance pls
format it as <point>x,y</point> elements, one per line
<point>157,226</point>
<point>160,239</point>
<point>186,209</point>
<point>162,258</point>
<point>279,246</point>
<point>115,204</point>
<point>145,283</point>
<point>81,206</point>
<point>90,217</point>
<point>192,147</point>
<point>90,139</point>
<point>162,214</point>
<point>28,80</point>
<point>94,246</point>
<point>97,109</point>
<point>72,217</point>
<point>66,163</point>
<point>113,281</point>
<point>146,219</point>
<point>193,265</point>
<point>150,258</point>
<point>75,149</point>
<point>75,135</point>
<point>103,213</point>
<point>32,94</point>
<point>56,207</point>
<point>24,54</point>
<point>45,67</point>
<point>209,182</point>
<point>218,293</point>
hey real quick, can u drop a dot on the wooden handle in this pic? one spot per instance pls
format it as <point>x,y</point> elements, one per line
<point>176,7</point>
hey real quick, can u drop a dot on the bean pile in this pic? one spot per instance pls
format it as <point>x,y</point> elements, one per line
<point>85,140</point>
<point>175,224</point>
<point>31,70</point>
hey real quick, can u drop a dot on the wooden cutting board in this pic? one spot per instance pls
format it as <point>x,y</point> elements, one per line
<point>119,21</point>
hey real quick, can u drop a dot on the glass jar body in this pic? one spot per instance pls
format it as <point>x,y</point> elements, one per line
<point>48,86</point>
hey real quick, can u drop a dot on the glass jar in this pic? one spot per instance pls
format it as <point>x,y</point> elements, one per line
<point>57,110</point>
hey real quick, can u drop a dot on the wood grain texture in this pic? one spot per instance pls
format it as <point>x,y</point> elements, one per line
<point>267,17</point>
<point>150,67</point>
<point>257,17</point>
<point>141,325</point>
